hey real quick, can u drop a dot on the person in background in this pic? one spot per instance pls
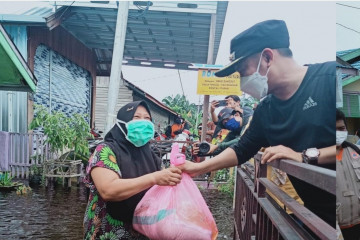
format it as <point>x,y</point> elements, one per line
<point>232,102</point>
<point>120,172</point>
<point>347,181</point>
<point>209,133</point>
<point>178,126</point>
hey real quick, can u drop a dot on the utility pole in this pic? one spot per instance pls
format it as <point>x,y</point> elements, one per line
<point>116,63</point>
<point>210,60</point>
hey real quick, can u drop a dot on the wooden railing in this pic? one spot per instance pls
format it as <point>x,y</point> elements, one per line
<point>258,216</point>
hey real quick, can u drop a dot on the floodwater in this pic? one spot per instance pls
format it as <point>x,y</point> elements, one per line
<point>45,213</point>
<point>57,213</point>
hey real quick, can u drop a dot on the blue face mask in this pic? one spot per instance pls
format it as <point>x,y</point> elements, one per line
<point>232,125</point>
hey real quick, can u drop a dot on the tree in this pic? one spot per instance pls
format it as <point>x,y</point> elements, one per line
<point>189,111</point>
<point>63,133</point>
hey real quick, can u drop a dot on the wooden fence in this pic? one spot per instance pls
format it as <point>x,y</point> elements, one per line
<point>26,150</point>
<point>258,216</point>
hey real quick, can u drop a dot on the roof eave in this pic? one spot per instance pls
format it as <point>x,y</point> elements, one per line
<point>17,59</point>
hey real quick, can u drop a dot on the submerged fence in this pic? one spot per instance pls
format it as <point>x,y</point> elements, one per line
<point>257,214</point>
<point>21,151</point>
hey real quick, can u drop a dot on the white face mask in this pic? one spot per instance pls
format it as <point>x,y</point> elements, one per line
<point>255,84</point>
<point>341,137</point>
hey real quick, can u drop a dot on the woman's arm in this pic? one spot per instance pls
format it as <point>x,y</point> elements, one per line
<point>113,188</point>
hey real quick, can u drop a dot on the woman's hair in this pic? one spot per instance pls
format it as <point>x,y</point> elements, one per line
<point>340,116</point>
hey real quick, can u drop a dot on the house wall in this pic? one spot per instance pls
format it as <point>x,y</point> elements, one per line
<point>102,88</point>
<point>355,86</point>
<point>13,105</point>
<point>68,46</point>
<point>160,116</point>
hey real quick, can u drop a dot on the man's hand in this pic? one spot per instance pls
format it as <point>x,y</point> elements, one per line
<point>213,105</point>
<point>195,148</point>
<point>193,169</point>
<point>280,152</point>
<point>212,148</point>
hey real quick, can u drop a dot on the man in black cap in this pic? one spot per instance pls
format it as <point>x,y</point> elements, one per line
<point>296,117</point>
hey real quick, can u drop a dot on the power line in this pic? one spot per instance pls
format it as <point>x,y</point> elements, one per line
<point>181,83</point>
<point>347,6</point>
<point>348,28</point>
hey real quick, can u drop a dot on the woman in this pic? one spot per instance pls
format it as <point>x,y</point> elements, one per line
<point>119,173</point>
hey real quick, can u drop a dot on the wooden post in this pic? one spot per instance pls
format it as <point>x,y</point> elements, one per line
<point>116,63</point>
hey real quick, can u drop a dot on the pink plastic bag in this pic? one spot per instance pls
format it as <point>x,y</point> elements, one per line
<point>175,212</point>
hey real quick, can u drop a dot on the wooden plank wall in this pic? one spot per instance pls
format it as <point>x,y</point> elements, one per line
<point>102,87</point>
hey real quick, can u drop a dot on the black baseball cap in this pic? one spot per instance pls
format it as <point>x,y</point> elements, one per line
<point>268,34</point>
<point>224,114</point>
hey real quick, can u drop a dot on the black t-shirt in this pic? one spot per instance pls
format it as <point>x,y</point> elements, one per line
<point>305,120</point>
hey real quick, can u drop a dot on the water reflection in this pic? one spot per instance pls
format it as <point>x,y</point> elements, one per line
<point>46,213</point>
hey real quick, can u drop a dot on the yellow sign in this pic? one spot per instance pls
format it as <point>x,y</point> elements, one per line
<point>209,84</point>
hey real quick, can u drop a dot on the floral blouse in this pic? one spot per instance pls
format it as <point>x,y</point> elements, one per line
<point>98,224</point>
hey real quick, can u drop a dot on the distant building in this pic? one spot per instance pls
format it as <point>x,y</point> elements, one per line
<point>161,114</point>
<point>348,71</point>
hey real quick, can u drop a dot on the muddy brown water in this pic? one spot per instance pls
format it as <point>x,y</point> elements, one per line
<point>57,213</point>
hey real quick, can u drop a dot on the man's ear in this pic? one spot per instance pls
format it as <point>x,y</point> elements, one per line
<point>268,54</point>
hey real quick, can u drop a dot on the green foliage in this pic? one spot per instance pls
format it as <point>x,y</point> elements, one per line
<point>228,187</point>
<point>189,111</point>
<point>5,179</point>
<point>224,176</point>
<point>35,170</point>
<point>248,101</point>
<point>63,132</point>
<point>36,175</point>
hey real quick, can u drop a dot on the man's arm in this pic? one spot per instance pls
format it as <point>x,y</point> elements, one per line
<point>248,145</point>
<point>216,149</point>
<point>224,160</point>
<point>327,155</point>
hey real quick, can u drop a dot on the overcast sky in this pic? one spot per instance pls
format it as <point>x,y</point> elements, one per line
<point>347,25</point>
<point>312,32</point>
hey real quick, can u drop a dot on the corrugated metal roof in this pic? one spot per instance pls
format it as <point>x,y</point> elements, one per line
<point>344,52</point>
<point>167,35</point>
<point>351,56</point>
<point>148,96</point>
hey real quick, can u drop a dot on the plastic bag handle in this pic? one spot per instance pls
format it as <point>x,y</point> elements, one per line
<point>176,158</point>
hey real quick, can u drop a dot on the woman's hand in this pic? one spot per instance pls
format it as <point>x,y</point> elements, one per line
<point>168,177</point>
